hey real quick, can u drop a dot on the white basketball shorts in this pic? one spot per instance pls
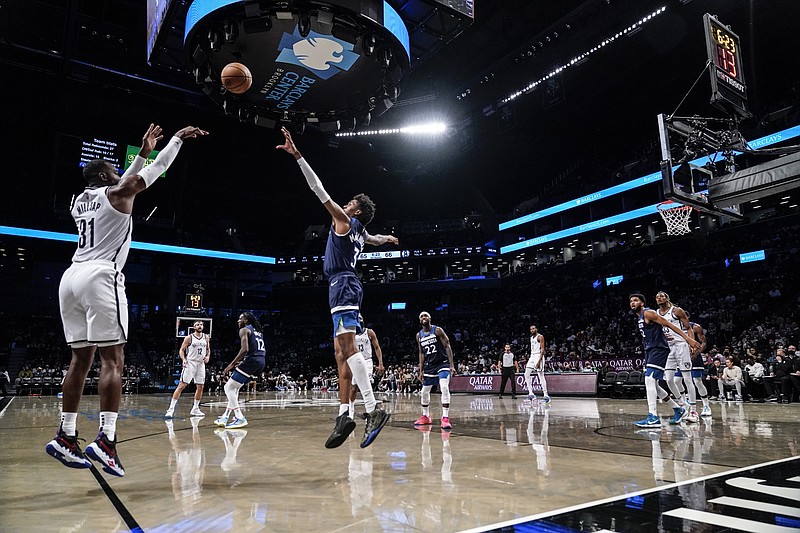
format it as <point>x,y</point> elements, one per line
<point>530,364</point>
<point>680,358</point>
<point>194,371</point>
<point>94,308</point>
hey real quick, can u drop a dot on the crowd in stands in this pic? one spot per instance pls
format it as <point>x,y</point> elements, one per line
<point>749,311</point>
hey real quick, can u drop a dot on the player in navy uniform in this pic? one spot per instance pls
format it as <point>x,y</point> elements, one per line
<point>698,368</point>
<point>345,241</point>
<point>656,350</point>
<point>92,299</point>
<point>252,355</point>
<point>435,366</point>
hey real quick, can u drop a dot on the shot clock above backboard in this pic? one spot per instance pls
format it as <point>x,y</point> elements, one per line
<point>728,88</point>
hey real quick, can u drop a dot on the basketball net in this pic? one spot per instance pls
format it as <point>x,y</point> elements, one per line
<point>676,217</point>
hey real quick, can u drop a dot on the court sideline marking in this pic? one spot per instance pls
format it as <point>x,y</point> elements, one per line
<point>555,512</point>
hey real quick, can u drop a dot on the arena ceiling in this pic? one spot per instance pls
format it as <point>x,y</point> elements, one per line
<point>78,68</point>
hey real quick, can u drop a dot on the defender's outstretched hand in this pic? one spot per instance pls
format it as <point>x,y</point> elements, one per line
<point>288,146</point>
<point>190,132</point>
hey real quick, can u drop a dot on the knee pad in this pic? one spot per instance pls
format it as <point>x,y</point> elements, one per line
<point>232,387</point>
<point>425,395</point>
<point>444,386</point>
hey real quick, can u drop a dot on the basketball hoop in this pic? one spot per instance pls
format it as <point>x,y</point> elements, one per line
<point>676,217</point>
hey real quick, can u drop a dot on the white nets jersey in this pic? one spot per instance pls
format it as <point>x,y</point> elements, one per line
<point>672,337</point>
<point>536,348</point>
<point>103,232</point>
<point>364,344</point>
<point>198,349</point>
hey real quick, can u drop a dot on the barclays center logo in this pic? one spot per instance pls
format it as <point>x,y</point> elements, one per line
<point>324,55</point>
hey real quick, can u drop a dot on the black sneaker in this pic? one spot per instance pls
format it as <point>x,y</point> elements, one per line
<point>67,450</point>
<point>344,426</point>
<point>104,451</point>
<point>375,422</point>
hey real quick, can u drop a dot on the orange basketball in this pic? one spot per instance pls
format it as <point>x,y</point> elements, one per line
<point>236,78</point>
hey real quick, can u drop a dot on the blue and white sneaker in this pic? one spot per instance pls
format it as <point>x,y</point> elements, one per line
<point>652,421</point>
<point>236,423</point>
<point>678,414</point>
<point>222,421</point>
<point>546,399</point>
<point>67,450</point>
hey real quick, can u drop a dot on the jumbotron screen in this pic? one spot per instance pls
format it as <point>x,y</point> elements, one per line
<point>118,154</point>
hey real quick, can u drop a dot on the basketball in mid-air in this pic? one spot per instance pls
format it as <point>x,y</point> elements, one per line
<point>236,78</point>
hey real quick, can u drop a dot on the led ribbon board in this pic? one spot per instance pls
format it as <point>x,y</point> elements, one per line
<point>575,230</point>
<point>767,140</point>
<point>303,59</point>
<point>135,245</point>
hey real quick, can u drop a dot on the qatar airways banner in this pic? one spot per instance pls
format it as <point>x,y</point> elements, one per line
<point>572,384</point>
<point>617,365</point>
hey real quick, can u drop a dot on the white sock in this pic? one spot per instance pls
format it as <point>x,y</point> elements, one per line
<point>344,408</point>
<point>197,404</point>
<point>650,385</point>
<point>529,380</point>
<point>426,410</point>
<point>691,392</point>
<point>542,382</point>
<point>446,411</point>
<point>238,413</point>
<point>108,424</point>
<point>232,393</point>
<point>68,423</point>
<point>361,379</point>
<point>669,377</point>
<point>172,404</point>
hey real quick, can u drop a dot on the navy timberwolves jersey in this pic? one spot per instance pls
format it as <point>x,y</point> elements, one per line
<point>255,343</point>
<point>341,252</point>
<point>697,358</point>
<point>434,352</point>
<point>652,333</point>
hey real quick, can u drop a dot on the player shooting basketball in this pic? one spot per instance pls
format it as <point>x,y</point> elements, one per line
<point>345,242</point>
<point>94,307</point>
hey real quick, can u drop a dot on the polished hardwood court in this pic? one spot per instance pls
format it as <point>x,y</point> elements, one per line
<point>504,459</point>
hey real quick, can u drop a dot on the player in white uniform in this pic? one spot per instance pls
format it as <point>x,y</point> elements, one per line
<point>680,357</point>
<point>536,364</point>
<point>367,343</point>
<point>194,353</point>
<point>92,297</point>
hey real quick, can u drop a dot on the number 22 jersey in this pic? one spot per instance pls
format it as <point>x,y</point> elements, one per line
<point>433,350</point>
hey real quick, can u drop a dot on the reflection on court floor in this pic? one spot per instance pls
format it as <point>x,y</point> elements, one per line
<point>504,460</point>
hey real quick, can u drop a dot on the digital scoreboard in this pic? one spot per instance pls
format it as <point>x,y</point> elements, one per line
<point>728,88</point>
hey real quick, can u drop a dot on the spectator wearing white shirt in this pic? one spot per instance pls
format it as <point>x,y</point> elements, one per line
<point>755,370</point>
<point>732,377</point>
